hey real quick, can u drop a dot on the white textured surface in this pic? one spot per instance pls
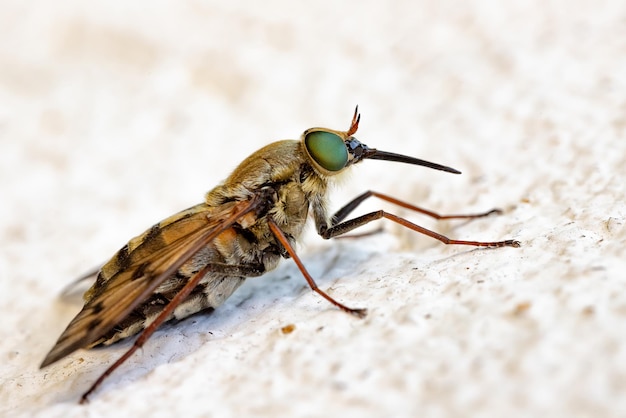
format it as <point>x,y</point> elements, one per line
<point>114,115</point>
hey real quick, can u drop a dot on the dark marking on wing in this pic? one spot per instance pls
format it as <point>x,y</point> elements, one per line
<point>140,271</point>
<point>151,240</point>
<point>153,232</point>
<point>123,259</point>
<point>95,322</point>
<point>97,308</point>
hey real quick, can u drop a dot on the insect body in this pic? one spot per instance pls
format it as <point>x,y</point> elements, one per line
<point>194,260</point>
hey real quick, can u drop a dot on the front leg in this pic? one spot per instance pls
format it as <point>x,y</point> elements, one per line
<point>338,227</point>
<point>342,213</point>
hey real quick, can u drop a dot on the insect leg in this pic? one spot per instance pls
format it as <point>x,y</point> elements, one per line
<point>245,208</point>
<point>280,236</point>
<point>350,206</point>
<point>230,270</point>
<point>347,226</point>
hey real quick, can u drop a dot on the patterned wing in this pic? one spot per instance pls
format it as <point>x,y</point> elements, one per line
<point>140,267</point>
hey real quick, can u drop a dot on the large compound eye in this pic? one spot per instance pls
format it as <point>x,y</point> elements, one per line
<point>327,149</point>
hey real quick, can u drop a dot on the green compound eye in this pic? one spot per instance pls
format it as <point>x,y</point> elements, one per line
<point>327,149</point>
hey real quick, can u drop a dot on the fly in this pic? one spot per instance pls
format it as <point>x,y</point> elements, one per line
<point>194,260</point>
